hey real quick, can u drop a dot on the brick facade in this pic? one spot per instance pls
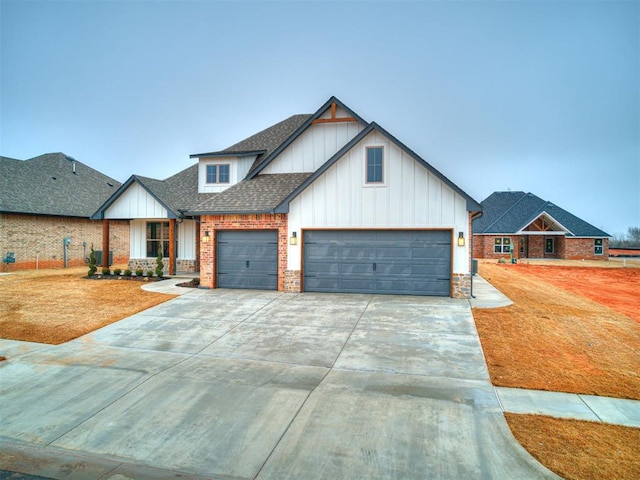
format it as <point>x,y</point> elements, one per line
<point>37,240</point>
<point>534,247</point>
<point>214,223</point>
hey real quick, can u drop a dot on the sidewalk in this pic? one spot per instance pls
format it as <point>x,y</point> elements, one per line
<point>593,408</point>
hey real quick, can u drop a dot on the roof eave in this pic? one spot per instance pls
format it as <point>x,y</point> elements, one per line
<point>242,153</point>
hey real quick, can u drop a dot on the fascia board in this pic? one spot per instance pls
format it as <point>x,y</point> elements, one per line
<point>543,213</point>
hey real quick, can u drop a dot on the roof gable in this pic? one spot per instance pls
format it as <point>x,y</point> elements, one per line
<point>325,114</point>
<point>472,205</point>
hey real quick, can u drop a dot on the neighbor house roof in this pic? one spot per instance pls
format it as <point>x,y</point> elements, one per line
<point>512,212</point>
<point>52,184</point>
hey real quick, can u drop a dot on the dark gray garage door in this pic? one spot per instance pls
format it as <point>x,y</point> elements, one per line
<point>247,259</point>
<point>374,261</point>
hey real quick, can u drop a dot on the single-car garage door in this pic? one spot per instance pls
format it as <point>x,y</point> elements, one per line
<point>378,261</point>
<point>247,259</point>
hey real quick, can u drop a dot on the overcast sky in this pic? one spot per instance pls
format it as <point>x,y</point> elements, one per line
<point>509,95</point>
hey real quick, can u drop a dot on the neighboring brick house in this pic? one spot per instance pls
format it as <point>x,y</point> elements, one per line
<point>522,225</point>
<point>322,202</point>
<point>48,199</point>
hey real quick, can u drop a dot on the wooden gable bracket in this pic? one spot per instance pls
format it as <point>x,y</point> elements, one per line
<point>333,118</point>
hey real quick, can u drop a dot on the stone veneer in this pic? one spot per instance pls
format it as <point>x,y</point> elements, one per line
<point>460,285</point>
<point>150,264</point>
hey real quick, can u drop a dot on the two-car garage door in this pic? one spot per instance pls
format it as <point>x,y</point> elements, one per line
<point>378,261</point>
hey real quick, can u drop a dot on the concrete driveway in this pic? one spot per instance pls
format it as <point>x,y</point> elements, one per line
<point>250,384</point>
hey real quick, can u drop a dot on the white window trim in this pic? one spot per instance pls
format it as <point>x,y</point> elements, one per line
<point>601,246</point>
<point>502,245</point>
<point>217,164</point>
<point>383,183</point>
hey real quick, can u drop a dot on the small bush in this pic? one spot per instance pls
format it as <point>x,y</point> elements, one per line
<point>117,271</point>
<point>502,260</point>
<point>92,262</point>
<point>159,264</point>
<point>149,273</point>
<point>139,272</point>
<point>127,273</point>
<point>106,271</point>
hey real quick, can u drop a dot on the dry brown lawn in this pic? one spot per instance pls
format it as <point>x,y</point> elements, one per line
<point>556,339</point>
<point>553,339</point>
<point>55,306</point>
<point>578,450</point>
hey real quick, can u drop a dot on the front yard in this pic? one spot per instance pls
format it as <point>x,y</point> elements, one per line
<point>55,306</point>
<point>556,338</point>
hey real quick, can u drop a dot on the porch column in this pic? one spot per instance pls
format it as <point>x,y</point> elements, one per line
<point>172,246</point>
<point>105,242</point>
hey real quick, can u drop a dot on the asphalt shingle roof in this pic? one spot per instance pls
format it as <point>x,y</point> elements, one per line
<point>261,194</point>
<point>265,141</point>
<point>510,212</point>
<point>47,185</point>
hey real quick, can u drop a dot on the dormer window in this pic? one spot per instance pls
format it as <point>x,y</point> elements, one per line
<point>218,173</point>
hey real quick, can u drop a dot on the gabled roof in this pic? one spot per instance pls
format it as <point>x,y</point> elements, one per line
<point>263,161</point>
<point>261,194</point>
<point>176,193</point>
<point>283,207</point>
<point>52,184</point>
<point>513,212</point>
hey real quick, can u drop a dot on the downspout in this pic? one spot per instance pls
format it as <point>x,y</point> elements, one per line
<point>473,217</point>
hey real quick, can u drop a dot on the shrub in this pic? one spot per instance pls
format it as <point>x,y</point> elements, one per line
<point>127,273</point>
<point>149,273</point>
<point>106,271</point>
<point>502,260</point>
<point>159,264</point>
<point>139,272</point>
<point>117,271</point>
<point>92,262</point>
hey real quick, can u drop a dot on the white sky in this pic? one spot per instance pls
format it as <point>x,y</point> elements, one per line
<point>535,96</point>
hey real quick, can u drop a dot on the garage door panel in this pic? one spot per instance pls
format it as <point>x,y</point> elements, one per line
<point>247,259</point>
<point>378,261</point>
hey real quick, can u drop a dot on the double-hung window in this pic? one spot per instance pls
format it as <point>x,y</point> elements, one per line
<point>218,173</point>
<point>157,239</point>
<point>502,245</point>
<point>598,246</point>
<point>375,165</point>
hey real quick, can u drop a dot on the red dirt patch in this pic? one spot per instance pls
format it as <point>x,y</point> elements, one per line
<point>616,288</point>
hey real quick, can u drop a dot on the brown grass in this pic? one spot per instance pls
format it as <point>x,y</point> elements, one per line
<point>555,339</point>
<point>55,306</point>
<point>579,450</point>
<point>551,339</point>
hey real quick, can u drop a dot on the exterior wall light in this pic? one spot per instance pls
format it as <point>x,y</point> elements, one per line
<point>293,240</point>
<point>461,239</point>
<point>206,237</point>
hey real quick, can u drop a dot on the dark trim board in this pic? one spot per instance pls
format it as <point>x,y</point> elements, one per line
<point>379,261</point>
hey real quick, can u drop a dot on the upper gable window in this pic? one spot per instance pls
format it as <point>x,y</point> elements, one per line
<point>218,173</point>
<point>375,164</point>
